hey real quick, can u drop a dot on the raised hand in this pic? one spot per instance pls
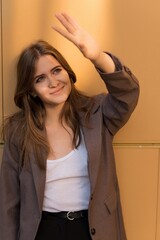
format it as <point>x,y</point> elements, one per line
<point>77,35</point>
<point>84,41</point>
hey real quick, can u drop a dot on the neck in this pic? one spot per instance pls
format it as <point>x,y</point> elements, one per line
<point>53,114</point>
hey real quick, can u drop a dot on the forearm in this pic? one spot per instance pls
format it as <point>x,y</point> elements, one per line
<point>104,63</point>
<point>122,99</point>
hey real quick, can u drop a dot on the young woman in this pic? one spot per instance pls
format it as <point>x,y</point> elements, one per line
<point>58,178</point>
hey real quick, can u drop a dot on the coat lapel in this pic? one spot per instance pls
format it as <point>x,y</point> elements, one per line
<point>39,177</point>
<point>92,137</point>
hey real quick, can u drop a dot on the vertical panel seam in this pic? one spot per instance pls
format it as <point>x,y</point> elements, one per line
<point>158,196</point>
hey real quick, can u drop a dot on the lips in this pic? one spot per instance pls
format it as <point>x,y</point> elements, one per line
<point>57,91</point>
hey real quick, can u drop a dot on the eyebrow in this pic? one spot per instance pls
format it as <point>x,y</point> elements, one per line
<point>40,75</point>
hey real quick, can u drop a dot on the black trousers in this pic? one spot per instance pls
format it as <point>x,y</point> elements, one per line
<point>55,228</point>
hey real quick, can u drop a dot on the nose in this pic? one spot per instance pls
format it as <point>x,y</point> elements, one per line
<point>52,82</point>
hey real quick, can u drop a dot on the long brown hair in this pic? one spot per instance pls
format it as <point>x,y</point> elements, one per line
<point>29,121</point>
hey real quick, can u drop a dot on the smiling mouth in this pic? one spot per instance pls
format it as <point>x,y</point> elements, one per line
<point>57,91</point>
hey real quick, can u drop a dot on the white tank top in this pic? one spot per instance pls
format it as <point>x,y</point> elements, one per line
<point>67,183</point>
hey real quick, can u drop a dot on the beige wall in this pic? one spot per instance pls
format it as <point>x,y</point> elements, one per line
<point>129,29</point>
<point>136,39</point>
<point>138,169</point>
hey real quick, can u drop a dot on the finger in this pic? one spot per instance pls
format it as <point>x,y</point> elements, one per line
<point>71,20</point>
<point>67,22</point>
<point>64,33</point>
<point>61,31</point>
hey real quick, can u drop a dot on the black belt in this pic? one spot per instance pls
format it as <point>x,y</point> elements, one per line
<point>68,215</point>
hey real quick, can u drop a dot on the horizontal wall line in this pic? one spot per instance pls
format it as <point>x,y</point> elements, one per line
<point>127,144</point>
<point>137,144</point>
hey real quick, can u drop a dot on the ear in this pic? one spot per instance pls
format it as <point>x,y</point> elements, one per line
<point>33,94</point>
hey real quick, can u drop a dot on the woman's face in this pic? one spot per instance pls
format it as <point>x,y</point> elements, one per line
<point>51,82</point>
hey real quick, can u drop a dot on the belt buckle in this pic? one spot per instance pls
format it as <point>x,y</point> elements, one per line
<point>69,218</point>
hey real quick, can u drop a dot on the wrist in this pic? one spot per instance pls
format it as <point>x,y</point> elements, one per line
<point>104,62</point>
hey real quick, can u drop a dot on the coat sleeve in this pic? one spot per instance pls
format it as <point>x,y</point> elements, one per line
<point>122,97</point>
<point>9,193</point>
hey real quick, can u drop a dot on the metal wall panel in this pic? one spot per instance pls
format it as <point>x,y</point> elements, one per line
<point>139,176</point>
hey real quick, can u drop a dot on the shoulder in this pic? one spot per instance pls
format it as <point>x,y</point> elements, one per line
<point>98,101</point>
<point>13,126</point>
<point>99,97</point>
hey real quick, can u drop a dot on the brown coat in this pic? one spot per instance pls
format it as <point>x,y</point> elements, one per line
<point>21,190</point>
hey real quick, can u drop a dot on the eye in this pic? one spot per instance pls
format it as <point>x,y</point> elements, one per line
<point>39,79</point>
<point>56,70</point>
